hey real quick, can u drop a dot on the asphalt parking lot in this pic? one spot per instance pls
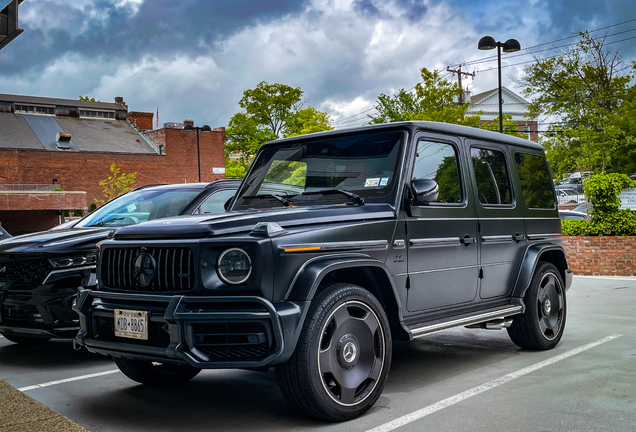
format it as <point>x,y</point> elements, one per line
<point>460,380</point>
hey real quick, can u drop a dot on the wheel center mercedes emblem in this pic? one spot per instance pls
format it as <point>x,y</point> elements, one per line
<point>548,306</point>
<point>144,269</point>
<point>349,352</point>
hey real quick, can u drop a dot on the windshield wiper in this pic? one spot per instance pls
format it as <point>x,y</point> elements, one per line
<point>101,224</point>
<point>359,200</point>
<point>283,200</point>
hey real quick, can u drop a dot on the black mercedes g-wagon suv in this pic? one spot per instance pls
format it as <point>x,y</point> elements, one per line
<point>377,233</point>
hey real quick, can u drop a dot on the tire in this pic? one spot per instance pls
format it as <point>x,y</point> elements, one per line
<point>156,374</point>
<point>26,340</point>
<point>541,326</point>
<point>345,339</point>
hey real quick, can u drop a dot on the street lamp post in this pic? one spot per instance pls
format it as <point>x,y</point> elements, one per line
<point>204,128</point>
<point>511,45</point>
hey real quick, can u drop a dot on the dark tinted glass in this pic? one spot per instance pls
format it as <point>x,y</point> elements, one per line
<point>215,203</point>
<point>364,164</point>
<point>437,161</point>
<point>491,176</point>
<point>535,180</point>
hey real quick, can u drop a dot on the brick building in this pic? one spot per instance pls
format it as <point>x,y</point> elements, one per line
<point>513,104</point>
<point>54,152</point>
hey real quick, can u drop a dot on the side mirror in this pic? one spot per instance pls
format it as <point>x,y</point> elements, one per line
<point>425,190</point>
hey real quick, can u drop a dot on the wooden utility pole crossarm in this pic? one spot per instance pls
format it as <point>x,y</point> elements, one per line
<point>459,73</point>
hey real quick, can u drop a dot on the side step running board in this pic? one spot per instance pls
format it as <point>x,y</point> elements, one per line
<point>424,329</point>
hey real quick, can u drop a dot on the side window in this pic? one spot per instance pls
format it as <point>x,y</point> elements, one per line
<point>437,161</point>
<point>491,176</point>
<point>535,181</point>
<point>214,204</point>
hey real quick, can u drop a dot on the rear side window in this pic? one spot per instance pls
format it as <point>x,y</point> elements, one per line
<point>491,176</point>
<point>437,161</point>
<point>535,181</point>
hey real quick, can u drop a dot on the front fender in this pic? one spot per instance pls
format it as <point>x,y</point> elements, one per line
<point>531,258</point>
<point>308,278</point>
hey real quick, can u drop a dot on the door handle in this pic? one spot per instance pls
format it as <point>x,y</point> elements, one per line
<point>468,240</point>
<point>518,237</point>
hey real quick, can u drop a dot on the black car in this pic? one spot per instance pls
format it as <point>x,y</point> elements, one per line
<point>40,273</point>
<point>392,231</point>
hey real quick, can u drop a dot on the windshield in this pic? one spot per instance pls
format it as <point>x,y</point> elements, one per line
<point>309,171</point>
<point>140,206</point>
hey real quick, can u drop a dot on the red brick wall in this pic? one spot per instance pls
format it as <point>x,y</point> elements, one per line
<point>82,171</point>
<point>142,120</point>
<point>601,256</point>
<point>13,200</point>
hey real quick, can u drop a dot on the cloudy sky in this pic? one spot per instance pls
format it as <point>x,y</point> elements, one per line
<point>194,58</point>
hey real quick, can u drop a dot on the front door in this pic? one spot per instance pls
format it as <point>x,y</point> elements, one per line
<point>441,236</point>
<point>502,230</point>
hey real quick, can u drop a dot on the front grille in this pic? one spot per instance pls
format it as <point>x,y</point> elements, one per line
<point>232,341</point>
<point>174,270</point>
<point>158,335</point>
<point>27,273</point>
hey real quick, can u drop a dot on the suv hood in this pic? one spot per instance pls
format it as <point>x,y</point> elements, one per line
<point>184,227</point>
<point>61,241</point>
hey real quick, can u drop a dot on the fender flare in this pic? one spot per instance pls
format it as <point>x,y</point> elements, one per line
<point>308,278</point>
<point>306,282</point>
<point>529,263</point>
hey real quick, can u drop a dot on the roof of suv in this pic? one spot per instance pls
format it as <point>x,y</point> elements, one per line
<point>445,128</point>
<point>217,183</point>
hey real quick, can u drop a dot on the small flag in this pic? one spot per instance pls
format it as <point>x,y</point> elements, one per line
<point>157,119</point>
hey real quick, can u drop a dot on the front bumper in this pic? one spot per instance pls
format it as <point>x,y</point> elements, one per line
<point>41,315</point>
<point>204,332</point>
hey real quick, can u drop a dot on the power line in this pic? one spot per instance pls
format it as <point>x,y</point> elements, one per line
<point>550,42</point>
<point>533,60</point>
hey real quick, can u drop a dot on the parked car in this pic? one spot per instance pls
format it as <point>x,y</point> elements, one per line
<point>40,273</point>
<point>384,232</point>
<point>569,196</point>
<point>3,234</point>
<point>572,215</point>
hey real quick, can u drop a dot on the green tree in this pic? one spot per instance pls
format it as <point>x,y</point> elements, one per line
<point>308,120</point>
<point>87,99</point>
<point>509,126</point>
<point>270,111</point>
<point>116,184</point>
<point>588,88</point>
<point>434,99</point>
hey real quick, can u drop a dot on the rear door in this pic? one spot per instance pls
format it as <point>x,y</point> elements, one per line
<point>501,226</point>
<point>441,236</point>
<point>538,201</point>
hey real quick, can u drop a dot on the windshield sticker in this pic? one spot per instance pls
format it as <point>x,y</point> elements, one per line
<point>131,207</point>
<point>384,181</point>
<point>372,182</point>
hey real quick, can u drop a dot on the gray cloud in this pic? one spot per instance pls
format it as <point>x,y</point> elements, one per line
<point>161,27</point>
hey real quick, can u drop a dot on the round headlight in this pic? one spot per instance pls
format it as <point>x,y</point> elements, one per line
<point>234,266</point>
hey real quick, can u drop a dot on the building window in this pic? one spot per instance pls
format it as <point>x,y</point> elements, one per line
<point>34,109</point>
<point>98,114</point>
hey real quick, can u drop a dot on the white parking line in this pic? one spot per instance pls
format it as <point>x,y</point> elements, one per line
<point>409,418</point>
<point>62,381</point>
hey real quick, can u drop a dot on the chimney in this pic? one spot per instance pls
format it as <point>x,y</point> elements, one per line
<point>120,101</point>
<point>63,141</point>
<point>188,122</point>
<point>141,120</point>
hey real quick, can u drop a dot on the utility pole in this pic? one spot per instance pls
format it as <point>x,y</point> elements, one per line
<point>459,80</point>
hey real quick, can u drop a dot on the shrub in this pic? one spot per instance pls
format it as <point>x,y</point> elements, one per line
<point>607,219</point>
<point>574,227</point>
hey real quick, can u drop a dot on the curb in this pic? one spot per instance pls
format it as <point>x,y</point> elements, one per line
<point>20,413</point>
